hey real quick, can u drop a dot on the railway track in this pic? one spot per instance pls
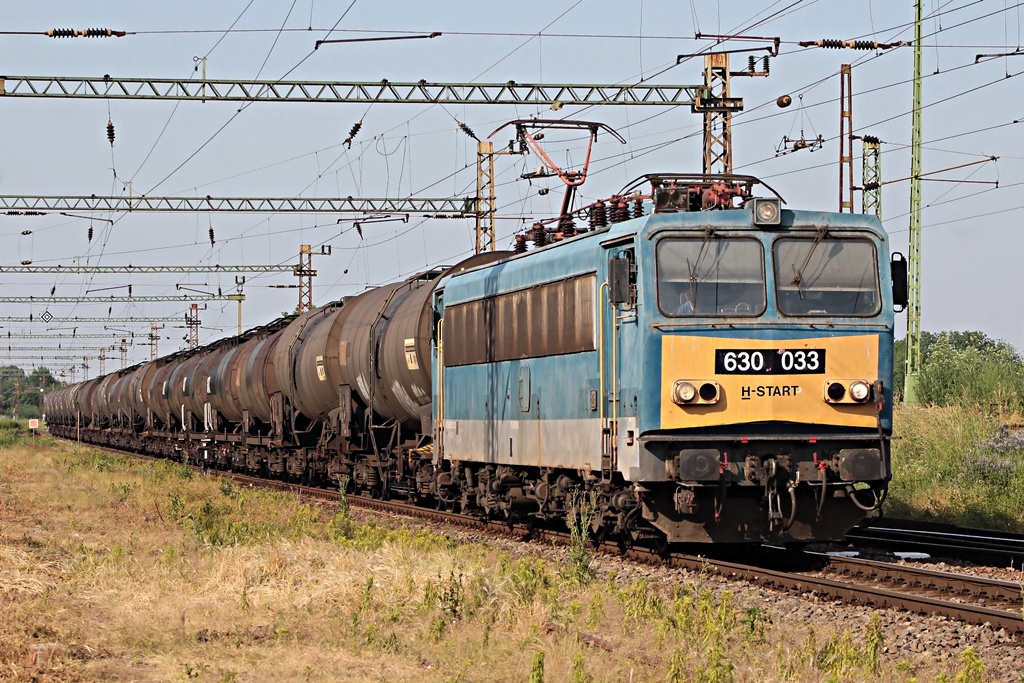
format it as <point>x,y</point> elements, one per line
<point>996,548</point>
<point>884,585</point>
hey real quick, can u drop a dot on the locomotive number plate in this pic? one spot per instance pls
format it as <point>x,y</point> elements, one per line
<point>769,362</point>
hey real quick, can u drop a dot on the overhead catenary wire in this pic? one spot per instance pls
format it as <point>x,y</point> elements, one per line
<point>428,180</point>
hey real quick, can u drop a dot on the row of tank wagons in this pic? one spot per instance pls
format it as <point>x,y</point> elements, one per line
<point>119,399</point>
<point>377,343</point>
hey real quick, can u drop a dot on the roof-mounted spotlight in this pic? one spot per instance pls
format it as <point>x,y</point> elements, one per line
<point>766,211</point>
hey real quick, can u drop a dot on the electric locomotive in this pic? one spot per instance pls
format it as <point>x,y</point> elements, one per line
<point>697,365</point>
<point>718,370</point>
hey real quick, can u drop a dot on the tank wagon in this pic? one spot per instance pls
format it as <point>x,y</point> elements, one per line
<point>701,365</point>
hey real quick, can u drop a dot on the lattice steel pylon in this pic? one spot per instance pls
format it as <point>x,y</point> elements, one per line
<point>913,340</point>
<point>871,176</point>
<point>713,102</point>
<point>485,234</point>
<point>103,361</point>
<point>845,139</point>
<point>304,271</point>
<point>124,353</point>
<point>154,340</point>
<point>192,324</point>
<point>487,207</point>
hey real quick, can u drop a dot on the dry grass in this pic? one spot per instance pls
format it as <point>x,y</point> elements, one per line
<point>112,569</point>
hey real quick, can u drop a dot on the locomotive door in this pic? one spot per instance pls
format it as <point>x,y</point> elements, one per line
<point>617,330</point>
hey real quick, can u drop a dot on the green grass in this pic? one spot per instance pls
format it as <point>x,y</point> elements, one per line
<point>957,464</point>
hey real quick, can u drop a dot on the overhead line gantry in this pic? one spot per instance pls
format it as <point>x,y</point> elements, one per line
<point>130,269</point>
<point>440,207</point>
<point>384,91</point>
<point>115,299</point>
<point>56,320</point>
<point>70,337</point>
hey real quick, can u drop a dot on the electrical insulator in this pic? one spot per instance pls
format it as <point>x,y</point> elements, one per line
<point>110,132</point>
<point>212,240</point>
<point>619,210</point>
<point>520,246</point>
<point>832,43</point>
<point>567,226</point>
<point>784,101</point>
<point>598,216</point>
<point>26,232</point>
<point>638,207</point>
<point>540,236</point>
<point>26,263</point>
<point>90,233</point>
<point>765,67</point>
<point>85,33</point>
<point>353,132</point>
<point>751,63</point>
<point>53,290</point>
<point>129,290</point>
<point>467,130</point>
<point>871,139</point>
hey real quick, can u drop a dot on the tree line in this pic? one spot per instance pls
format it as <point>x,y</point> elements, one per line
<point>964,367</point>
<point>20,394</point>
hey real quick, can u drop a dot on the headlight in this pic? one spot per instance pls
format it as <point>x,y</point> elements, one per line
<point>684,392</point>
<point>860,391</point>
<point>766,211</point>
<point>696,392</point>
<point>847,391</point>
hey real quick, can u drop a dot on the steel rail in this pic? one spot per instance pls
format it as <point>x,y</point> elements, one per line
<point>930,580</point>
<point>859,593</point>
<point>999,548</point>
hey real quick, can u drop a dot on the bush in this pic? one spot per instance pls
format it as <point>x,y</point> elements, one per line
<point>965,368</point>
<point>956,464</point>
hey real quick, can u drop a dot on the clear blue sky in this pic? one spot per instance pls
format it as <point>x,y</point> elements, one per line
<point>53,147</point>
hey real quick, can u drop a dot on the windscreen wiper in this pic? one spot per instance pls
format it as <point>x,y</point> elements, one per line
<point>798,272</point>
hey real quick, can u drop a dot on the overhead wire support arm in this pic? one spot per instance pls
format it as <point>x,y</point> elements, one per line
<point>1016,53</point>
<point>375,39</point>
<point>13,205</point>
<point>384,91</point>
<point>924,176</point>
